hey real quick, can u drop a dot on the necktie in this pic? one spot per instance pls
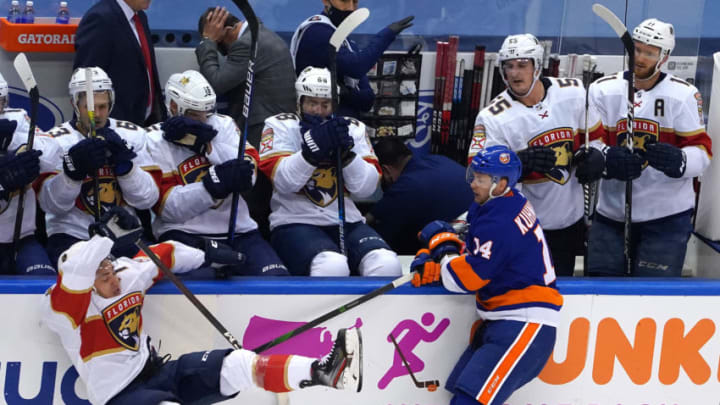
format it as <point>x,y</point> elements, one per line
<point>146,55</point>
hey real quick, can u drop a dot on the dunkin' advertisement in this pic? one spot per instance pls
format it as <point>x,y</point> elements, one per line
<point>610,349</point>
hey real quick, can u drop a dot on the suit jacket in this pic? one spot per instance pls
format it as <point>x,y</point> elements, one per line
<point>104,38</point>
<point>273,83</point>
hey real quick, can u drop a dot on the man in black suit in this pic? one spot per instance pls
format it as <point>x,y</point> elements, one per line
<point>273,84</point>
<point>114,35</point>
<point>274,80</point>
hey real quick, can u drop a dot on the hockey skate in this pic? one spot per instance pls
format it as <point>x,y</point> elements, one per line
<point>342,369</point>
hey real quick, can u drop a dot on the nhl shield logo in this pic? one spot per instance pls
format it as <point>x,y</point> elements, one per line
<point>123,320</point>
<point>110,194</point>
<point>321,189</point>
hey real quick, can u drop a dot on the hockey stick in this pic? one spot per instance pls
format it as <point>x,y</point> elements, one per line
<point>335,312</point>
<point>431,385</point>
<point>90,100</point>
<point>336,40</point>
<point>22,67</point>
<point>243,120</point>
<point>620,29</point>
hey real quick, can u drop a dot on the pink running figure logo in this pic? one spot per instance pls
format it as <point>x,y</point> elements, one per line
<point>316,342</point>
<point>416,333</point>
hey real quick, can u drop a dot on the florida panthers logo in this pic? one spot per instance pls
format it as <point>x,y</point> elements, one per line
<point>124,321</point>
<point>560,140</point>
<point>108,189</point>
<point>645,132</point>
<point>321,189</point>
<point>193,169</point>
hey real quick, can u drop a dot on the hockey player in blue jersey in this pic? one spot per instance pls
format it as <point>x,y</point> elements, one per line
<point>507,263</point>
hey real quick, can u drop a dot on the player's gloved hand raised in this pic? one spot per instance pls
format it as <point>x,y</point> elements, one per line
<point>400,25</point>
<point>7,130</point>
<point>540,159</point>
<point>590,165</point>
<point>188,132</point>
<point>119,225</point>
<point>321,140</point>
<point>84,158</point>
<point>426,270</point>
<point>621,164</point>
<point>121,155</point>
<point>441,239</point>
<point>667,158</point>
<point>227,177</point>
<point>17,171</point>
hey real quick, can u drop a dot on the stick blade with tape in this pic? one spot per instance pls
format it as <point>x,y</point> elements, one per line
<point>22,67</point>
<point>347,26</point>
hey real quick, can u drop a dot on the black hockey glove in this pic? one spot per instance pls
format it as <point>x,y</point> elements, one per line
<point>119,225</point>
<point>590,165</point>
<point>188,132</point>
<point>218,255</point>
<point>121,155</point>
<point>539,159</point>
<point>400,25</point>
<point>621,164</point>
<point>233,175</point>
<point>17,171</point>
<point>84,158</point>
<point>7,130</point>
<point>667,158</point>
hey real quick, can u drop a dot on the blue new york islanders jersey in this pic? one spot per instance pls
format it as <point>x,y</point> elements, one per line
<point>507,263</point>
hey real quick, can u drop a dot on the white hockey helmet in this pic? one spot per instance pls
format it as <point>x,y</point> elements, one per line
<point>656,33</point>
<point>313,82</point>
<point>100,82</point>
<point>190,91</point>
<point>3,93</point>
<point>521,46</point>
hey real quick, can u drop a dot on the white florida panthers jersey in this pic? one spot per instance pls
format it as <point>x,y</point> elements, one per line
<point>303,193</point>
<point>69,205</point>
<point>184,203</point>
<point>557,122</point>
<point>669,112</point>
<point>50,150</point>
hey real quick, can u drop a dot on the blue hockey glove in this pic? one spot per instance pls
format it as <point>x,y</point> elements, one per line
<point>426,270</point>
<point>188,132</point>
<point>667,158</point>
<point>321,142</point>
<point>121,155</point>
<point>621,164</point>
<point>233,175</point>
<point>84,158</point>
<point>433,228</point>
<point>590,165</point>
<point>7,130</point>
<point>119,225</point>
<point>17,171</point>
<point>441,239</point>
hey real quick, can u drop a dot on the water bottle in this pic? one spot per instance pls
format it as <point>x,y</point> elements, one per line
<point>63,15</point>
<point>28,16</point>
<point>14,15</point>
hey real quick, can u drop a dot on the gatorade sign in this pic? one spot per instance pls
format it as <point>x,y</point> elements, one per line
<point>37,37</point>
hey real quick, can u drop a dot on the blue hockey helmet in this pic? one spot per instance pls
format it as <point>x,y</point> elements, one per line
<point>497,161</point>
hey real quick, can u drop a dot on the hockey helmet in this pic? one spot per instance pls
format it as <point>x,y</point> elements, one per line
<point>521,46</point>
<point>86,254</point>
<point>100,82</point>
<point>496,161</point>
<point>190,91</point>
<point>313,82</point>
<point>656,33</point>
<point>3,93</point>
